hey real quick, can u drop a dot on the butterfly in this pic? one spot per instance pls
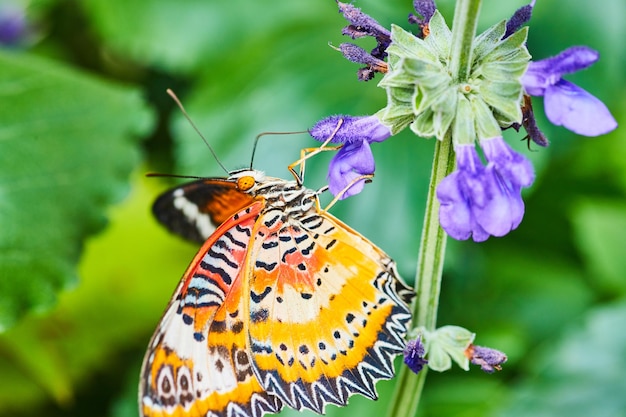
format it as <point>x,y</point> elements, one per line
<point>283,304</point>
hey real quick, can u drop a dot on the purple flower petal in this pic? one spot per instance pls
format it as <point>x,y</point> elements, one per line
<point>542,74</point>
<point>479,201</point>
<point>352,161</point>
<point>565,103</point>
<point>363,24</point>
<point>425,8</point>
<point>352,129</point>
<point>414,355</point>
<point>489,360</point>
<point>512,166</point>
<point>570,106</point>
<point>498,206</point>
<point>519,18</point>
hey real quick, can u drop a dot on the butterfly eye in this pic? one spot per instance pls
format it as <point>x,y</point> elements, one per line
<point>245,183</point>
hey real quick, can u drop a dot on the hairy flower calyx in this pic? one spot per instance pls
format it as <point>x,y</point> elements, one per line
<point>422,92</point>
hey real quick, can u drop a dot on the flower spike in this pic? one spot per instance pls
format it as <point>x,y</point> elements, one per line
<point>414,355</point>
<point>425,10</point>
<point>519,19</point>
<point>489,360</point>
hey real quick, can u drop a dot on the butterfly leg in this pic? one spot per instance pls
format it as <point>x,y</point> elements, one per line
<point>307,153</point>
<point>367,178</point>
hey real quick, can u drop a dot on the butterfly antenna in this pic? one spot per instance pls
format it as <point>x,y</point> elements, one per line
<point>182,109</point>
<point>256,140</point>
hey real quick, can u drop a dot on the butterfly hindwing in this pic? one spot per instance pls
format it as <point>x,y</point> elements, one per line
<point>198,362</point>
<point>327,311</point>
<point>195,209</point>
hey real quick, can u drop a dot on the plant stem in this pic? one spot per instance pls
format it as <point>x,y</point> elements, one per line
<point>428,281</point>
<point>433,244</point>
<point>463,31</point>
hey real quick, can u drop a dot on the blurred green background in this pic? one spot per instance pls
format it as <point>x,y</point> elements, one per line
<point>85,272</point>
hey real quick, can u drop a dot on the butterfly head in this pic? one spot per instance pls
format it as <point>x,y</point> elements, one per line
<point>247,180</point>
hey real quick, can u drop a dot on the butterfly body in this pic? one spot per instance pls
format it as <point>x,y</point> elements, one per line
<point>283,305</point>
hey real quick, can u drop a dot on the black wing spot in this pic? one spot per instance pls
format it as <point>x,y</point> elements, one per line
<point>187,319</point>
<point>337,335</point>
<point>198,336</point>
<point>272,221</point>
<point>304,349</point>
<point>349,317</point>
<point>269,245</point>
<point>243,230</point>
<point>331,244</point>
<point>301,266</point>
<point>230,237</point>
<point>257,298</point>
<point>218,326</point>
<point>306,296</point>
<point>306,251</point>
<point>287,252</point>
<point>237,327</point>
<point>322,345</point>
<point>302,238</point>
<point>267,267</point>
<point>242,357</point>
<point>260,315</point>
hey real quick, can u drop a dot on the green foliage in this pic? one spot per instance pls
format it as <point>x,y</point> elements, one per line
<point>67,145</point>
<point>79,98</point>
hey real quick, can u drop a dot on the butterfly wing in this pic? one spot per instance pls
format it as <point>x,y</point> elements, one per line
<point>197,363</point>
<point>328,311</point>
<point>195,209</point>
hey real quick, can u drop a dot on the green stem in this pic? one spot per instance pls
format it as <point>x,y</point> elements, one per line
<point>428,281</point>
<point>463,31</point>
<point>433,244</point>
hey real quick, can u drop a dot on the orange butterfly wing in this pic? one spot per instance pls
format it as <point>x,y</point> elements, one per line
<point>198,363</point>
<point>327,312</point>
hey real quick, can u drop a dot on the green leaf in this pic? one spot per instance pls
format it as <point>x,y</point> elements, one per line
<point>599,229</point>
<point>447,344</point>
<point>67,145</point>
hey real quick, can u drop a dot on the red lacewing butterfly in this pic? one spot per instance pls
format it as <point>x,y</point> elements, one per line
<point>283,304</point>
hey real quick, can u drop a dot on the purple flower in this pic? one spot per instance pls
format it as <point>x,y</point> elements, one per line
<point>355,158</point>
<point>488,359</point>
<point>565,103</point>
<point>519,18</point>
<point>414,355</point>
<point>482,201</point>
<point>425,10</point>
<point>12,25</point>
<point>362,25</point>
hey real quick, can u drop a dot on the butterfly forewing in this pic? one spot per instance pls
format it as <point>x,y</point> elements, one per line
<point>198,362</point>
<point>195,209</point>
